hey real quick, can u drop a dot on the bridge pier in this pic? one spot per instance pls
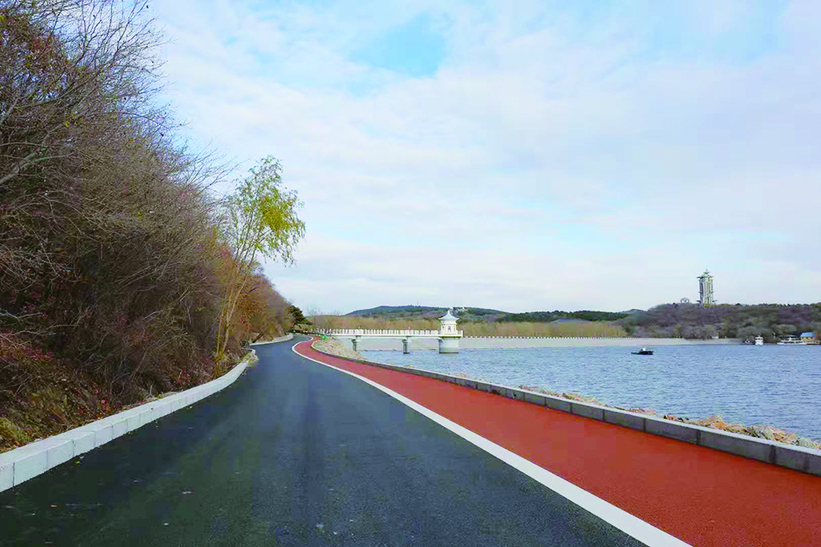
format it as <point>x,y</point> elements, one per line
<point>448,336</point>
<point>448,345</point>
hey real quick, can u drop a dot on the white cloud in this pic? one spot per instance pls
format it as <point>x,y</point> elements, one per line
<point>552,161</point>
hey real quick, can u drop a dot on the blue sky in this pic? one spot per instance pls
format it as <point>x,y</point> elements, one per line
<point>414,48</point>
<point>520,155</point>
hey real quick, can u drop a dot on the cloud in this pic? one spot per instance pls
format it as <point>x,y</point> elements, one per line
<point>548,156</point>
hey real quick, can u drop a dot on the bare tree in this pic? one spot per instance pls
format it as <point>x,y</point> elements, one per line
<point>110,242</point>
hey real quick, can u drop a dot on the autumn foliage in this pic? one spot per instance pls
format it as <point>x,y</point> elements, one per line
<point>113,265</point>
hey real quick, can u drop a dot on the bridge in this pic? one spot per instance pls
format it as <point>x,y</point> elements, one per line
<point>446,340</point>
<point>447,335</point>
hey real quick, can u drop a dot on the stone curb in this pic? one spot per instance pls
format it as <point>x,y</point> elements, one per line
<point>26,462</point>
<point>285,338</point>
<point>797,458</point>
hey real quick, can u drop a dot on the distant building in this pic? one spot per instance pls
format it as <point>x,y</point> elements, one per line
<point>448,334</point>
<point>705,289</point>
<point>809,337</point>
<point>447,323</point>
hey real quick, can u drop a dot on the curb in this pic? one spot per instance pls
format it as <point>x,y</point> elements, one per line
<point>26,462</point>
<point>797,458</point>
<point>285,338</point>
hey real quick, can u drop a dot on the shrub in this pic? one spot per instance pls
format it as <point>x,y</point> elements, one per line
<point>112,257</point>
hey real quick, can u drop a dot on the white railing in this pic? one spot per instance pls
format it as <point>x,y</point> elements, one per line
<point>412,332</point>
<point>388,332</point>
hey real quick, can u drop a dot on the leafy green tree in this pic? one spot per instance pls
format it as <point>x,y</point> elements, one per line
<point>260,220</point>
<point>297,316</point>
<point>785,330</point>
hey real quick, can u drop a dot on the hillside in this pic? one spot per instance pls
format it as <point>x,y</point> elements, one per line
<point>426,312</point>
<point>691,321</point>
<point>731,321</point>
<point>548,316</point>
<point>467,315</point>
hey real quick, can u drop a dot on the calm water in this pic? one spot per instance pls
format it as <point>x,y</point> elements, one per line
<point>767,385</point>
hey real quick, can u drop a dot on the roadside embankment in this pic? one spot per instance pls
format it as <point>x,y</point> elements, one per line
<point>766,444</point>
<point>24,463</point>
<point>21,464</point>
<point>335,347</point>
<point>63,396</point>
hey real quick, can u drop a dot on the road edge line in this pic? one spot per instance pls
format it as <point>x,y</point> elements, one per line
<point>606,511</point>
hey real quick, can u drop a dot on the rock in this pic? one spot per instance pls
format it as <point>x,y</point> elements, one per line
<point>762,432</point>
<point>808,443</point>
<point>581,398</point>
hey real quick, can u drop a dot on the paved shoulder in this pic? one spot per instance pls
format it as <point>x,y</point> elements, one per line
<point>293,453</point>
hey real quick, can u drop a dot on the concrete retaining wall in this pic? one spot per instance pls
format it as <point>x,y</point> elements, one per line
<point>21,464</point>
<point>522,342</point>
<point>792,457</point>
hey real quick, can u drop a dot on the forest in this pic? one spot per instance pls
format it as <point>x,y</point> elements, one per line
<point>771,321</point>
<point>582,315</point>
<point>123,274</point>
<point>690,321</point>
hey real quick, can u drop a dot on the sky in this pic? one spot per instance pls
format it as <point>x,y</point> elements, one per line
<point>519,155</point>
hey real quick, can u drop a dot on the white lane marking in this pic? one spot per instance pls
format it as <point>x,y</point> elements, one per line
<point>624,521</point>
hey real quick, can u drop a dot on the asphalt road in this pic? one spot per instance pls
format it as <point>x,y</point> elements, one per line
<point>293,453</point>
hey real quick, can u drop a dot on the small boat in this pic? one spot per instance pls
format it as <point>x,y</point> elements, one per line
<point>643,351</point>
<point>759,340</point>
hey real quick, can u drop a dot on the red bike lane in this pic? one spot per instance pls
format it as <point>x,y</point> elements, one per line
<point>702,496</point>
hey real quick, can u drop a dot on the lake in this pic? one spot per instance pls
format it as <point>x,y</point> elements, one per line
<point>766,385</point>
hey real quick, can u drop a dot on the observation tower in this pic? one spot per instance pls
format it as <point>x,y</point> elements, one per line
<point>705,289</point>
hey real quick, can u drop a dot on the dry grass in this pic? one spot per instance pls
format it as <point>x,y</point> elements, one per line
<point>335,347</point>
<point>567,395</point>
<point>13,433</point>
<point>525,329</point>
<point>560,330</point>
<point>758,431</point>
<point>59,397</point>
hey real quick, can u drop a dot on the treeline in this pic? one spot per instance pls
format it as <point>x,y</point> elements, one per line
<point>486,315</point>
<point>690,321</point>
<point>770,321</point>
<point>473,328</point>
<point>546,316</point>
<point>118,268</point>
<point>424,312</point>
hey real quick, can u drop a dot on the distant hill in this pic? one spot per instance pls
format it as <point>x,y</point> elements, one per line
<point>548,316</point>
<point>484,314</point>
<point>771,321</point>
<point>426,312</point>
